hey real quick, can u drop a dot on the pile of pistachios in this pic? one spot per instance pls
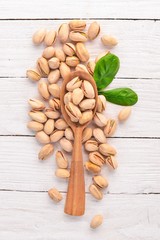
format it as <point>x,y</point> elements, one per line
<point>47,121</point>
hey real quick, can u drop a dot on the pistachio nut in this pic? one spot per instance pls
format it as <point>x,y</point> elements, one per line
<point>48,52</point>
<point>81,67</point>
<point>52,114</point>
<point>54,63</point>
<point>93,30</point>
<point>68,97</point>
<point>35,126</point>
<point>64,69</point>
<point>33,75</point>
<point>42,66</point>
<point>87,104</point>
<point>66,145</point>
<point>88,89</point>
<point>73,111</point>
<point>46,151</point>
<point>54,90</point>
<point>56,135</point>
<point>90,67</point>
<point>42,137</point>
<point>43,90</point>
<point>100,120</point>
<point>100,181</point>
<point>61,160</point>
<point>107,149</point>
<point>95,192</point>
<point>54,103</point>
<point>69,49</point>
<point>124,113</point>
<point>87,134</point>
<point>38,116</point>
<point>77,24</point>
<point>61,124</point>
<point>38,36</point>
<point>91,167</point>
<point>50,38</point>
<point>82,52</point>
<point>96,158</point>
<point>91,145</point>
<point>77,95</point>
<point>96,221</point>
<point>109,41</point>
<point>60,54</point>
<point>55,195</point>
<point>36,104</point>
<point>63,32</point>
<point>77,36</point>
<point>54,76</point>
<point>101,104</point>
<point>86,117</point>
<point>112,162</point>
<point>72,61</point>
<point>101,55</point>
<point>74,83</point>
<point>69,134</point>
<point>99,135</point>
<point>110,127</point>
<point>62,173</point>
<point>49,126</point>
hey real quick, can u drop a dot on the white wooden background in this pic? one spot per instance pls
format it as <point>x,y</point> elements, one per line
<point>131,205</point>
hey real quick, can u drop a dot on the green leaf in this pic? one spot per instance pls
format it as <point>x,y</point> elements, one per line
<point>120,96</point>
<point>105,70</point>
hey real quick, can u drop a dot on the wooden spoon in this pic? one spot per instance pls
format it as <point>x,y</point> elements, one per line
<point>75,201</point>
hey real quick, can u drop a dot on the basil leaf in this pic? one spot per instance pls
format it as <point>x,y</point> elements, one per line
<point>105,70</point>
<point>121,96</point>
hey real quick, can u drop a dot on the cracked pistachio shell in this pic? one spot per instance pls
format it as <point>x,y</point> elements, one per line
<point>109,41</point>
<point>69,49</point>
<point>52,114</point>
<point>110,127</point>
<point>87,134</point>
<point>81,67</point>
<point>87,104</point>
<point>49,126</point>
<point>35,126</point>
<point>56,135</point>
<point>91,167</point>
<point>38,36</point>
<point>74,83</point>
<point>54,76</point>
<point>101,104</point>
<point>54,103</point>
<point>100,120</point>
<point>60,54</point>
<point>96,158</point>
<point>72,61</point>
<point>61,160</point>
<point>64,70</point>
<point>38,116</point>
<point>124,113</point>
<point>54,90</point>
<point>96,221</point>
<point>46,151</point>
<point>33,74</point>
<point>93,30</point>
<point>91,145</point>
<point>66,145</point>
<point>54,63</point>
<point>96,193</point>
<point>100,181</point>
<point>43,90</point>
<point>55,195</point>
<point>90,67</point>
<point>77,36</point>
<point>86,117</point>
<point>63,32</point>
<point>82,52</point>
<point>107,149</point>
<point>50,38</point>
<point>112,162</point>
<point>62,173</point>
<point>88,89</point>
<point>36,104</point>
<point>69,134</point>
<point>42,137</point>
<point>77,25</point>
<point>42,66</point>
<point>99,135</point>
<point>77,95</point>
<point>101,55</point>
<point>48,52</point>
<point>73,111</point>
<point>61,124</point>
<point>68,97</point>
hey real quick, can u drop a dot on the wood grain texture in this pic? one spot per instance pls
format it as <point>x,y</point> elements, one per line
<point>138,48</point>
<point>35,216</point>
<point>79,9</point>
<point>138,170</point>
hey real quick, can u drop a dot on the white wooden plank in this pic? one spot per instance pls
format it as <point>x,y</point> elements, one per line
<point>144,121</point>
<point>35,216</point>
<point>138,49</point>
<point>138,170</point>
<point>79,9</point>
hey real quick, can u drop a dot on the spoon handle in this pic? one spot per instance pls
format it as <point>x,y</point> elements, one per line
<point>75,201</point>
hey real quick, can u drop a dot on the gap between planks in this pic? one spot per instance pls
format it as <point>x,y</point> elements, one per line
<point>56,19</point>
